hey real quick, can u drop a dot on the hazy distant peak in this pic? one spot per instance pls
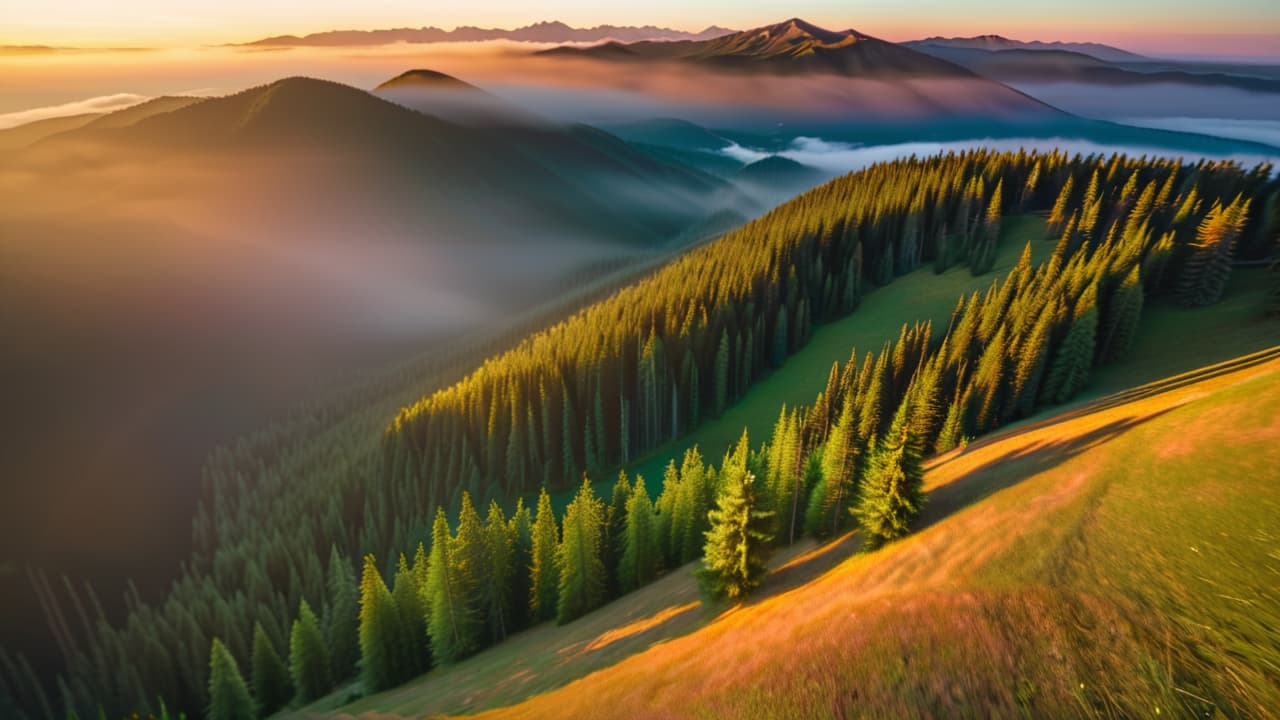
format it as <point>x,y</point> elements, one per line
<point>993,42</point>
<point>423,78</point>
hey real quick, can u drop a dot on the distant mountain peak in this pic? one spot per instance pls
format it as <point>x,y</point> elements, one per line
<point>421,77</point>
<point>798,30</point>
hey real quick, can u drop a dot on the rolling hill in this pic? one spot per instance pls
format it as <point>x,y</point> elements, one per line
<point>448,98</point>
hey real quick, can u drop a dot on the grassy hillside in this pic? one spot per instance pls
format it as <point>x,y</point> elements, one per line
<point>1106,563</point>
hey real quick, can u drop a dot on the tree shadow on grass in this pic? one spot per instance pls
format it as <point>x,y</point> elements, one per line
<point>1017,466</point>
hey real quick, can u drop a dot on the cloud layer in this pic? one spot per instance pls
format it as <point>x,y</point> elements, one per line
<point>99,104</point>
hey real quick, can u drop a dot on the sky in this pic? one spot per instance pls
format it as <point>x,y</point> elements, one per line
<point>1243,27</point>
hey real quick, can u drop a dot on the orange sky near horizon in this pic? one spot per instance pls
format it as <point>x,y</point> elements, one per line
<point>1245,27</point>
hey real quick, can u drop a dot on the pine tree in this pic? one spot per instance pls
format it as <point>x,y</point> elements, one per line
<point>694,497</point>
<point>382,632</point>
<point>453,625</point>
<point>308,656</point>
<point>412,615</point>
<point>544,572</point>
<point>342,616</point>
<point>500,548</point>
<point>1069,372</point>
<point>469,558</point>
<point>893,488</point>
<point>1204,277</point>
<point>228,695</point>
<point>582,581</point>
<point>984,255</point>
<point>1124,313</point>
<point>615,529</point>
<point>838,461</point>
<point>1058,216</point>
<point>953,431</point>
<point>272,686</point>
<point>738,544</point>
<point>720,377</point>
<point>521,559</point>
<point>641,557</point>
<point>1031,361</point>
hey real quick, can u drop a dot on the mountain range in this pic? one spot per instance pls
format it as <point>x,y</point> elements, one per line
<point>1043,62</point>
<point>790,47</point>
<point>542,32</point>
<point>999,42</point>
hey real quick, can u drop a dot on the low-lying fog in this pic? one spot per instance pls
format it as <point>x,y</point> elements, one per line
<point>835,158</point>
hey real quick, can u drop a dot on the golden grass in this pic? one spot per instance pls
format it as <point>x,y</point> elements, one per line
<point>982,611</point>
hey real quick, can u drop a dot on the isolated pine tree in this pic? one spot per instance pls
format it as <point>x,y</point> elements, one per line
<point>229,697</point>
<point>543,571</point>
<point>342,618</point>
<point>272,686</point>
<point>308,656</point>
<point>738,544</point>
<point>582,581</point>
<point>641,556</point>
<point>893,487</point>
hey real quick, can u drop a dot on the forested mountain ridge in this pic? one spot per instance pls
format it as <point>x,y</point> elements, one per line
<point>754,295</point>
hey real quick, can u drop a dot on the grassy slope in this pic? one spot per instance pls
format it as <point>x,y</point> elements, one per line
<point>1109,563</point>
<point>1037,547</point>
<point>548,657</point>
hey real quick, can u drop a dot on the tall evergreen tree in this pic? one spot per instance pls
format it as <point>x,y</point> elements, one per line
<point>454,624</point>
<point>839,458</point>
<point>1071,366</point>
<point>1124,312</point>
<point>272,686</point>
<point>615,530</point>
<point>412,615</point>
<point>494,585</point>
<point>1204,277</point>
<point>641,556</point>
<point>382,632</point>
<point>308,656</point>
<point>228,695</point>
<point>738,544</point>
<point>342,616</point>
<point>582,581</point>
<point>694,498</point>
<point>521,524</point>
<point>893,488</point>
<point>544,573</point>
